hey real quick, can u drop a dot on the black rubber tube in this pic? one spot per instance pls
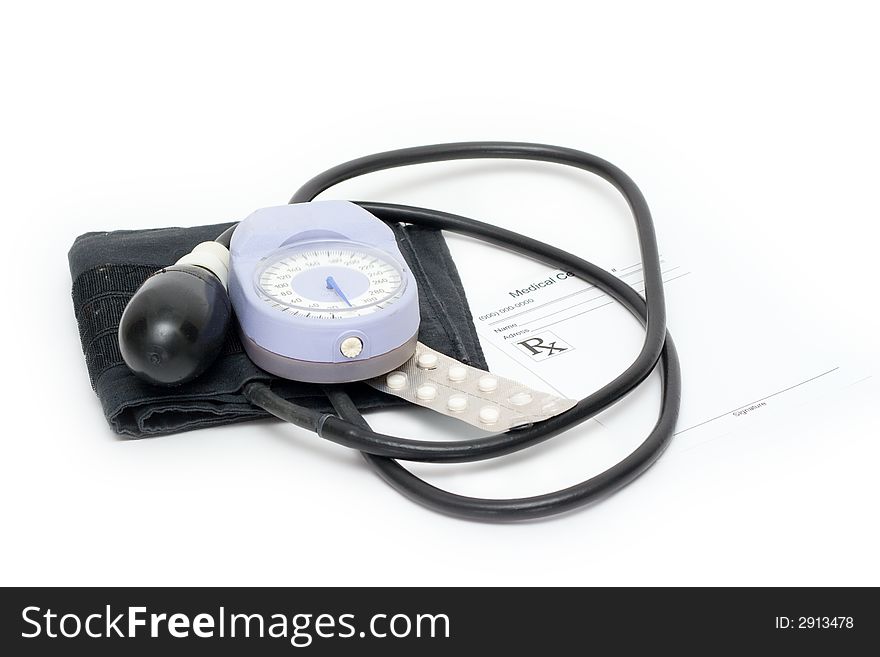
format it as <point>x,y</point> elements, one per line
<point>350,428</point>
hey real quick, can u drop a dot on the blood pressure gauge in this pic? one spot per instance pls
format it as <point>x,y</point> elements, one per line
<point>328,279</point>
<point>322,293</point>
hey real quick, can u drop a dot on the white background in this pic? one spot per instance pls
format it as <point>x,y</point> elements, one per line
<point>752,131</point>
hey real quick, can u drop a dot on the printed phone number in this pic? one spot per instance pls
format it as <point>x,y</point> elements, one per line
<point>506,309</point>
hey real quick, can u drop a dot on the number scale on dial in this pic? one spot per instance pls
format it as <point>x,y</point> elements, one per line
<point>330,281</point>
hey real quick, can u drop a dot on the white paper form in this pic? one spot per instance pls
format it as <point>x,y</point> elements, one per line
<point>743,356</point>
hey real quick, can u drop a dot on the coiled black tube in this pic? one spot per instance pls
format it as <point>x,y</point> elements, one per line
<point>349,428</point>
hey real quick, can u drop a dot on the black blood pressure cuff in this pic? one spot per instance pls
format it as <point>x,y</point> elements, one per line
<point>107,268</point>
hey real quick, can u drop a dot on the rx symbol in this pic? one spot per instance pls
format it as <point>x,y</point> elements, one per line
<point>543,346</point>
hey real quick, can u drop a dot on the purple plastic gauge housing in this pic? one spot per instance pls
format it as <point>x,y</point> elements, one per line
<point>319,349</point>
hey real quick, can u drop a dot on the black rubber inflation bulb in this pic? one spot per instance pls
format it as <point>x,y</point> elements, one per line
<point>174,326</point>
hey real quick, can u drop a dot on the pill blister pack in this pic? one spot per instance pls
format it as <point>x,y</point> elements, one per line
<point>487,401</point>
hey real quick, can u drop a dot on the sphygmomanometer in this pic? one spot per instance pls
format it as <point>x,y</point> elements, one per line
<point>322,297</point>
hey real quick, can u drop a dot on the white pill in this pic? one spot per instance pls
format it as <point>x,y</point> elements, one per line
<point>456,403</point>
<point>427,361</point>
<point>550,407</point>
<point>520,399</point>
<point>487,383</point>
<point>489,414</point>
<point>396,380</point>
<point>457,373</point>
<point>426,392</point>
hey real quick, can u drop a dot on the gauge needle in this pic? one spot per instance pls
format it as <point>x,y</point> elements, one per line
<point>332,285</point>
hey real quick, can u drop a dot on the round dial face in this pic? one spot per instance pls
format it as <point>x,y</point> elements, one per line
<point>330,280</point>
